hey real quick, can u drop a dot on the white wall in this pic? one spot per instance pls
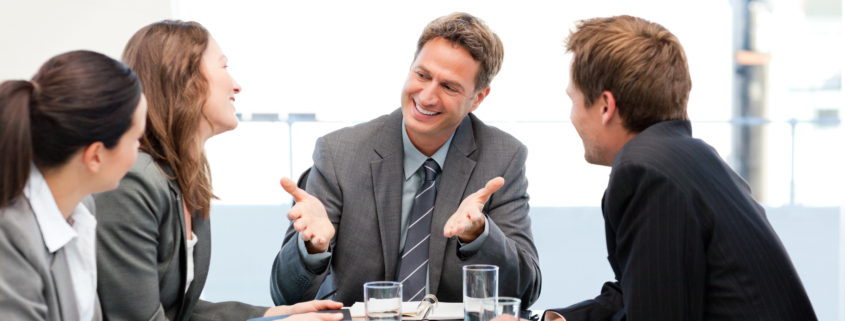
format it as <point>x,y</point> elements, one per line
<point>33,31</point>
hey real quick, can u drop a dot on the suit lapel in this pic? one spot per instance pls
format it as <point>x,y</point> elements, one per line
<point>453,182</point>
<point>183,251</point>
<point>387,188</point>
<point>64,286</point>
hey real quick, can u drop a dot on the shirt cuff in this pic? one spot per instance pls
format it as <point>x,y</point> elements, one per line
<point>316,262</point>
<point>475,245</point>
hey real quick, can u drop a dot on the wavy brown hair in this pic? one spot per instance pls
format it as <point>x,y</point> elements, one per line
<point>167,56</point>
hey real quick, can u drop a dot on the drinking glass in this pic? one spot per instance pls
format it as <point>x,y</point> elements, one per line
<point>383,301</point>
<point>492,308</point>
<point>481,281</point>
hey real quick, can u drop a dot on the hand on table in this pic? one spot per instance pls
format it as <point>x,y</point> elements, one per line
<point>316,317</point>
<point>309,218</point>
<point>306,307</point>
<point>468,222</point>
<point>506,317</point>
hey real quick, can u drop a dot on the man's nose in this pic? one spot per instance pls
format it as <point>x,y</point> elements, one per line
<point>428,95</point>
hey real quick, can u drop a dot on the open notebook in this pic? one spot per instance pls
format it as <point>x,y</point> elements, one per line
<point>415,311</point>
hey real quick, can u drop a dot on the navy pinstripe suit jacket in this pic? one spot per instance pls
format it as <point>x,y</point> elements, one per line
<point>687,241</point>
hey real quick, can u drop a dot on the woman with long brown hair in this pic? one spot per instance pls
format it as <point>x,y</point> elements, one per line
<point>153,244</point>
<point>71,131</point>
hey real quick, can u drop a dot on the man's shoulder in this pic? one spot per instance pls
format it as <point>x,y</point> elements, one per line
<point>488,137</point>
<point>681,160</point>
<point>665,144</point>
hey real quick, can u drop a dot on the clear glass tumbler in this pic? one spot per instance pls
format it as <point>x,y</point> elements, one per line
<point>383,301</point>
<point>481,281</point>
<point>505,307</point>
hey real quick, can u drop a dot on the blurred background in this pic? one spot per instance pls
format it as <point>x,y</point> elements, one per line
<point>767,94</point>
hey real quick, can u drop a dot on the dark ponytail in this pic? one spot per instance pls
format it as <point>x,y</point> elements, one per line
<point>15,138</point>
<point>76,99</point>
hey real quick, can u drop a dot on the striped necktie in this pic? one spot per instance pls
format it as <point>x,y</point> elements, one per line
<point>412,272</point>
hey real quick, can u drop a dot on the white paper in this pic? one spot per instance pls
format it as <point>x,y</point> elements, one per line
<point>443,311</point>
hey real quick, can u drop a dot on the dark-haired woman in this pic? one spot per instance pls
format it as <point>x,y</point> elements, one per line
<point>71,131</point>
<point>154,237</point>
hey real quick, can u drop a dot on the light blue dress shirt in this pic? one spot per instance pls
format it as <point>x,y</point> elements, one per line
<point>414,177</point>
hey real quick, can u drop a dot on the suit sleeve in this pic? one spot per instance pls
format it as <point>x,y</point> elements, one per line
<point>510,244</point>
<point>659,245</point>
<point>603,308</point>
<point>230,310</point>
<point>292,280</point>
<point>127,240</point>
<point>21,286</point>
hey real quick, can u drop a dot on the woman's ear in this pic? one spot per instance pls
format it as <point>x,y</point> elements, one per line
<point>92,156</point>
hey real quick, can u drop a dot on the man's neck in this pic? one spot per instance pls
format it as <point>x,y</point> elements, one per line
<point>621,141</point>
<point>428,145</point>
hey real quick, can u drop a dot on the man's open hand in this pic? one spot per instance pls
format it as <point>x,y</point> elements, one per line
<point>468,222</point>
<point>309,218</point>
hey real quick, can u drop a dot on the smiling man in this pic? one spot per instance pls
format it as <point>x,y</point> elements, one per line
<point>414,195</point>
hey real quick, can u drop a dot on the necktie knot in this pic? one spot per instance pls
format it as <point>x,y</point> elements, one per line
<point>431,169</point>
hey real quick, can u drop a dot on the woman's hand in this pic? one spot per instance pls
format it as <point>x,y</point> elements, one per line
<point>316,317</point>
<point>306,307</point>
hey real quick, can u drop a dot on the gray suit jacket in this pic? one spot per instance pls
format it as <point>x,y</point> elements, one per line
<point>142,255</point>
<point>34,283</point>
<point>358,174</point>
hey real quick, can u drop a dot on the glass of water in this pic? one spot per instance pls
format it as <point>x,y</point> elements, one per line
<point>481,281</point>
<point>505,307</point>
<point>383,301</point>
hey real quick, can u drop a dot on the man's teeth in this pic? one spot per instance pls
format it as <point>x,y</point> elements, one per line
<point>425,112</point>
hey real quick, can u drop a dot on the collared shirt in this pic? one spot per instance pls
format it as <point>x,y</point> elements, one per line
<point>413,180</point>
<point>77,239</point>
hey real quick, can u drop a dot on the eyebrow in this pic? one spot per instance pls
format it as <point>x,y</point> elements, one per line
<point>457,86</point>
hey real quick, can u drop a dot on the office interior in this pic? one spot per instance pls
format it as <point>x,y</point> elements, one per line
<point>767,95</point>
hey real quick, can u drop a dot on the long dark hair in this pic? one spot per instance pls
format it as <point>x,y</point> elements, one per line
<point>167,56</point>
<point>76,99</point>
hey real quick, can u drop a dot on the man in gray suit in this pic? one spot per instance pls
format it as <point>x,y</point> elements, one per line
<point>427,188</point>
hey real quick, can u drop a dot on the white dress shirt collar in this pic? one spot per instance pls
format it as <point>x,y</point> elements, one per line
<point>414,159</point>
<point>78,240</point>
<point>54,227</point>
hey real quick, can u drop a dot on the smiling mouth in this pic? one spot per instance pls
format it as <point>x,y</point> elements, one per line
<point>423,111</point>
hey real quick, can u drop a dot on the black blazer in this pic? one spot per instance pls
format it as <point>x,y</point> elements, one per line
<point>687,241</point>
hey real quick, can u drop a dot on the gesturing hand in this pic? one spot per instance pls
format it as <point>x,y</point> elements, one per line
<point>468,222</point>
<point>309,218</point>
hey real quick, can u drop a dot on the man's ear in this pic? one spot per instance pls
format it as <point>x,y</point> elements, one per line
<point>92,156</point>
<point>479,97</point>
<point>608,107</point>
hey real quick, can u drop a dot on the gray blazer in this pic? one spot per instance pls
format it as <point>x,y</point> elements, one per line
<point>141,252</point>
<point>358,174</point>
<point>34,283</point>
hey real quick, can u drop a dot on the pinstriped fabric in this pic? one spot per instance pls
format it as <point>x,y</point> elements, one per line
<point>415,255</point>
<point>687,241</point>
